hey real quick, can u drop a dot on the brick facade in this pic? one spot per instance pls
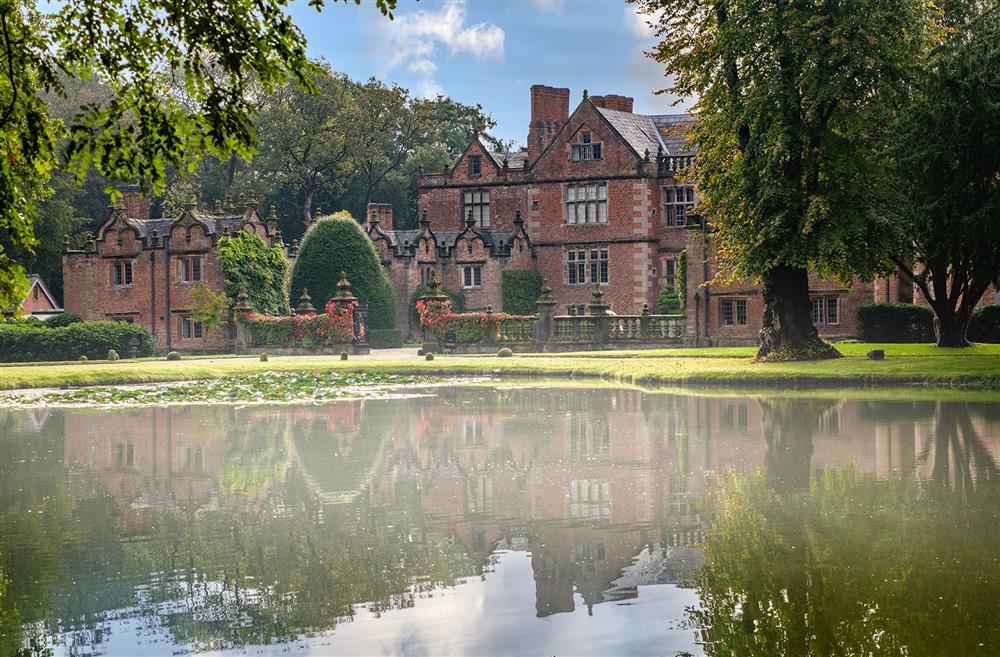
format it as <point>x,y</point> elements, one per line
<point>39,301</point>
<point>629,228</point>
<point>144,270</point>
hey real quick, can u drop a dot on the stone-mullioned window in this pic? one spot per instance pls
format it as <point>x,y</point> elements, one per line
<point>586,203</point>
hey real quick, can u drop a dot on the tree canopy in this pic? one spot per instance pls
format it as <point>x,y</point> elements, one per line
<point>791,96</point>
<point>947,145</point>
<point>180,76</point>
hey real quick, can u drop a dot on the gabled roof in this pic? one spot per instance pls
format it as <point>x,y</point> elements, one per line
<point>217,224</point>
<point>638,130</point>
<point>35,279</point>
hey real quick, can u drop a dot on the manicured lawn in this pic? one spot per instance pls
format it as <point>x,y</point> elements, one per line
<point>977,367</point>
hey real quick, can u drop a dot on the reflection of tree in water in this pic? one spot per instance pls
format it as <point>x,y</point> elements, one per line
<point>266,569</point>
<point>960,459</point>
<point>855,566</point>
<point>787,426</point>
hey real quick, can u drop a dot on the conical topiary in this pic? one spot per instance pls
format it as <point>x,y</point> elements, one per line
<point>336,244</point>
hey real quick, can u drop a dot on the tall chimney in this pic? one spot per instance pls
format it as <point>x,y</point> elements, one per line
<point>613,102</point>
<point>381,212</point>
<point>549,112</point>
<point>136,205</point>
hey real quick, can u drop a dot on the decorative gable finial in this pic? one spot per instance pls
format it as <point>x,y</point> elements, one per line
<point>424,221</point>
<point>646,156</point>
<point>586,96</point>
<point>518,221</point>
<point>470,221</point>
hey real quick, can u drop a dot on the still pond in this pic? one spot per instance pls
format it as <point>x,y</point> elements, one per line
<point>477,520</point>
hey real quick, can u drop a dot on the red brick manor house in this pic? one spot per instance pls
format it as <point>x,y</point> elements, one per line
<point>594,199</point>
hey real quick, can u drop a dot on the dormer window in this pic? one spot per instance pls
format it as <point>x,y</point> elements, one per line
<point>586,149</point>
<point>475,166</point>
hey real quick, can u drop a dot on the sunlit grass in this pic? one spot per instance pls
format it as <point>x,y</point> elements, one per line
<point>926,365</point>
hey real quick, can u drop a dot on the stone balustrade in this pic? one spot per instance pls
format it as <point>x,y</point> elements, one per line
<point>597,330</point>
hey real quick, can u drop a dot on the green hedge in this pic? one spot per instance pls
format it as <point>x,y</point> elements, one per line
<point>985,325</point>
<point>385,338</point>
<point>21,343</point>
<point>896,322</point>
<point>63,319</point>
<point>338,243</point>
<point>519,290</point>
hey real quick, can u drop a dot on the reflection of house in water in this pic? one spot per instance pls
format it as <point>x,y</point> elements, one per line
<point>608,489</point>
<point>150,456</point>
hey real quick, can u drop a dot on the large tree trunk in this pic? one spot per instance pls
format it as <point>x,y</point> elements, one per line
<point>788,332</point>
<point>951,327</point>
<point>307,203</point>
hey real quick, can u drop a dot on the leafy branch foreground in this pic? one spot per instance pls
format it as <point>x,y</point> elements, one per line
<point>256,387</point>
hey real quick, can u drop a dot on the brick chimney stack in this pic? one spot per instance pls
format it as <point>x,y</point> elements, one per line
<point>613,102</point>
<point>136,205</point>
<point>549,112</point>
<point>382,212</point>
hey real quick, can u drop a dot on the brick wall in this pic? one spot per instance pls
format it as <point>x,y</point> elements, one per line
<point>157,297</point>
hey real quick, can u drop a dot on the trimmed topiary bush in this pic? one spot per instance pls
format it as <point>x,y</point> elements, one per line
<point>896,322</point>
<point>21,342</point>
<point>420,351</point>
<point>505,353</point>
<point>338,243</point>
<point>985,324</point>
<point>343,355</point>
<point>63,319</point>
<point>263,358</point>
<point>429,356</point>
<point>385,338</point>
<point>112,354</point>
<point>82,358</point>
<point>173,355</point>
<point>252,266</point>
<point>668,302</point>
<point>519,290</point>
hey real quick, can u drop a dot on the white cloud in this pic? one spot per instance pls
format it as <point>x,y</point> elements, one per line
<point>639,23</point>
<point>423,67</point>
<point>550,6</point>
<point>428,88</point>
<point>417,38</point>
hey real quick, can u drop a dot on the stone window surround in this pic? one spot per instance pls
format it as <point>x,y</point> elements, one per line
<point>827,303</point>
<point>730,311</point>
<point>582,197</point>
<point>186,270</point>
<point>587,264</point>
<point>585,149</point>
<point>190,329</point>
<point>477,200</point>
<point>472,276</point>
<point>122,273</point>
<point>674,208</point>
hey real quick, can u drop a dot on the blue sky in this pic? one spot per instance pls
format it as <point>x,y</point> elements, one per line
<point>491,51</point>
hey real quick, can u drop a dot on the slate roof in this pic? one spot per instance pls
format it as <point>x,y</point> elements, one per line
<point>651,131</point>
<point>672,128</point>
<point>448,237</point>
<point>217,223</point>
<point>515,159</point>
<point>637,130</point>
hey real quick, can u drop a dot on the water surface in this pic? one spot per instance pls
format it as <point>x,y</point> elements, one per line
<point>482,521</point>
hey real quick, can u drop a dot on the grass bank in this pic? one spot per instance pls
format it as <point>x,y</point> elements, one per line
<point>905,365</point>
